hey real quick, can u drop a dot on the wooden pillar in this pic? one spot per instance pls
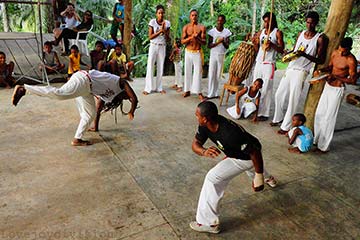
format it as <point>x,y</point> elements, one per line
<point>128,27</point>
<point>335,29</point>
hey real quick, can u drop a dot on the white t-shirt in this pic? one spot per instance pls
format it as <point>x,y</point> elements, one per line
<point>215,34</point>
<point>105,85</point>
<point>156,27</point>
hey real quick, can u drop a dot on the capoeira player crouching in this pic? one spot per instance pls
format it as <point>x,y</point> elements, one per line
<point>243,154</point>
<point>83,86</point>
<point>311,46</point>
<point>342,68</point>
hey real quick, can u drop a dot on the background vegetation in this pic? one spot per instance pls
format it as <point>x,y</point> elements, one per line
<point>290,16</point>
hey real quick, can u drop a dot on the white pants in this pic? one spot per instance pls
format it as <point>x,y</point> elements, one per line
<point>156,54</point>
<point>265,71</point>
<point>290,87</point>
<point>78,88</point>
<point>246,108</point>
<point>214,186</point>
<point>216,63</point>
<point>325,116</point>
<point>192,81</point>
<point>178,73</point>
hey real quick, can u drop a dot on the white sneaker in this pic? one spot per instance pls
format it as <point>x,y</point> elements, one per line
<point>271,181</point>
<point>202,228</point>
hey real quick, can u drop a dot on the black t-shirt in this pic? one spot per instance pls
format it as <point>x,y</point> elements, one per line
<point>82,26</point>
<point>230,138</point>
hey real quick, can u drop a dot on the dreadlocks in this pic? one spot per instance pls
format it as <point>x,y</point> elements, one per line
<point>116,102</point>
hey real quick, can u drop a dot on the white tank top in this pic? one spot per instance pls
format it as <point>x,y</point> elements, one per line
<point>310,46</point>
<point>270,54</point>
<point>246,97</point>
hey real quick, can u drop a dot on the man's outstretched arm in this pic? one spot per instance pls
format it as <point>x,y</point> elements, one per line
<point>132,97</point>
<point>99,106</point>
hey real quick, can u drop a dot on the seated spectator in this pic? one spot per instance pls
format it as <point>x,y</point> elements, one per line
<point>51,59</point>
<point>58,7</point>
<point>117,63</point>
<point>71,19</point>
<point>75,61</point>
<point>68,33</point>
<point>97,55</point>
<point>6,70</point>
<point>300,137</point>
<point>247,101</point>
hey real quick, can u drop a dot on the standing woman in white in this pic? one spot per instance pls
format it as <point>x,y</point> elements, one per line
<point>270,42</point>
<point>159,30</point>
<point>218,43</point>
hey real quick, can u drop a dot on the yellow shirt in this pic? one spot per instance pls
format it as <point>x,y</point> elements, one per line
<point>119,59</point>
<point>75,62</point>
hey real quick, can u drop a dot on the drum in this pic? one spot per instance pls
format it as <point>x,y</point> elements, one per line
<point>241,63</point>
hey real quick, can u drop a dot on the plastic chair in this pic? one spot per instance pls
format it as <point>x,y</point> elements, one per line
<point>81,43</point>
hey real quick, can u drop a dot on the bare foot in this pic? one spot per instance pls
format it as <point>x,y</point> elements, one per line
<point>186,94</point>
<point>93,129</point>
<point>80,142</point>
<point>202,98</point>
<point>317,150</point>
<point>179,89</point>
<point>294,150</point>
<point>145,93</point>
<point>212,97</point>
<point>263,118</point>
<point>282,132</point>
<point>275,124</point>
<point>163,92</point>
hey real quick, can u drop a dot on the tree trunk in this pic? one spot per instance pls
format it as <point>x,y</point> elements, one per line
<point>5,17</point>
<point>128,27</point>
<point>335,29</point>
<point>47,18</point>
<point>263,5</point>
<point>211,8</point>
<point>253,29</point>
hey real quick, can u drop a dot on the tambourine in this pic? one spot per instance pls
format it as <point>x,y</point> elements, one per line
<point>318,79</point>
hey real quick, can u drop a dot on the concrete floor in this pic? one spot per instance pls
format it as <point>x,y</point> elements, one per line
<point>142,181</point>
